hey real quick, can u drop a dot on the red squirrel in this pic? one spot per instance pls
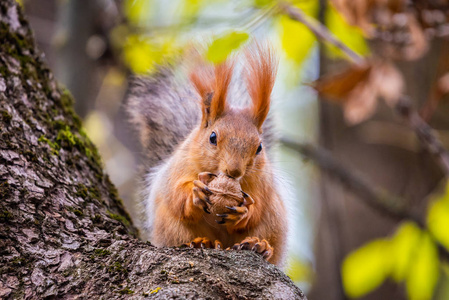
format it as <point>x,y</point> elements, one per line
<point>183,139</point>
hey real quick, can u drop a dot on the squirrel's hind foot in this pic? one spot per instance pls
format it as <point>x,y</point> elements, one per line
<point>204,243</point>
<point>261,247</point>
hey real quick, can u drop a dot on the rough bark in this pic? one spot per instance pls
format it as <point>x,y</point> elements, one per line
<point>63,231</point>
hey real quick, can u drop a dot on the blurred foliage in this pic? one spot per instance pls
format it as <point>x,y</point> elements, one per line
<point>351,36</point>
<point>297,40</point>
<point>366,268</point>
<point>143,54</point>
<point>137,11</point>
<point>410,256</point>
<point>222,46</point>
<point>438,217</point>
<point>297,270</point>
<point>145,47</point>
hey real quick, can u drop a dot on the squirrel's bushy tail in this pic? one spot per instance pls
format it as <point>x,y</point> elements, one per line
<point>163,109</point>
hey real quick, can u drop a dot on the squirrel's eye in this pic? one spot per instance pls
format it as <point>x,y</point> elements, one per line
<point>259,148</point>
<point>213,138</point>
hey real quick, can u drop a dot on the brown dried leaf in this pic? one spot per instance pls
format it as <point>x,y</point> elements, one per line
<point>358,88</point>
<point>338,87</point>
<point>361,103</point>
<point>388,81</point>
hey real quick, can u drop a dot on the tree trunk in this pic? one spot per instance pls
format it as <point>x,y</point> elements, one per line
<point>63,231</point>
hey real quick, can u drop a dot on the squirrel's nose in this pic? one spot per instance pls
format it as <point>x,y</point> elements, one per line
<point>235,173</point>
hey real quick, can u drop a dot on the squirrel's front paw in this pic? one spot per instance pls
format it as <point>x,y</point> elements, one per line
<point>201,195</point>
<point>261,247</point>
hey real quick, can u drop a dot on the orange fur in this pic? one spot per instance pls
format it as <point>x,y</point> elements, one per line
<point>178,219</point>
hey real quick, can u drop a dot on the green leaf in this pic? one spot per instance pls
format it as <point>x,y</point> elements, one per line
<point>424,270</point>
<point>351,36</point>
<point>403,246</point>
<point>366,268</point>
<point>223,46</point>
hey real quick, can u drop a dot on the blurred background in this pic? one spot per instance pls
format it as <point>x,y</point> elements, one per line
<point>336,108</point>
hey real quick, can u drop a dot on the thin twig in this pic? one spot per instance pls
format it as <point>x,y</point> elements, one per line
<point>403,106</point>
<point>375,197</point>
<point>425,133</point>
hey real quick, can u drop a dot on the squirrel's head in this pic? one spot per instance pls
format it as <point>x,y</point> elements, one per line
<point>229,139</point>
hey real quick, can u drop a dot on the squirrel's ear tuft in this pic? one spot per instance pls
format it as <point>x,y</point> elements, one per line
<point>212,83</point>
<point>260,76</point>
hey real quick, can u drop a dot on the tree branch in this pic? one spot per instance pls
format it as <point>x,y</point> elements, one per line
<point>403,106</point>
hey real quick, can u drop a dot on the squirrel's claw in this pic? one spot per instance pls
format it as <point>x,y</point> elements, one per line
<point>247,199</point>
<point>201,195</point>
<point>261,247</point>
<point>200,199</point>
<point>234,216</point>
<point>231,208</point>
<point>202,186</point>
<point>204,243</point>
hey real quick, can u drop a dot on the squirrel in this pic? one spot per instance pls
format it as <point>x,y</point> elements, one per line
<point>191,127</point>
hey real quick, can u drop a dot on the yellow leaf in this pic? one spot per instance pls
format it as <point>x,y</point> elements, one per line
<point>403,245</point>
<point>139,54</point>
<point>351,36</point>
<point>424,270</point>
<point>298,270</point>
<point>221,47</point>
<point>262,3</point>
<point>137,11</point>
<point>366,268</point>
<point>296,39</point>
<point>143,54</point>
<point>189,9</point>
